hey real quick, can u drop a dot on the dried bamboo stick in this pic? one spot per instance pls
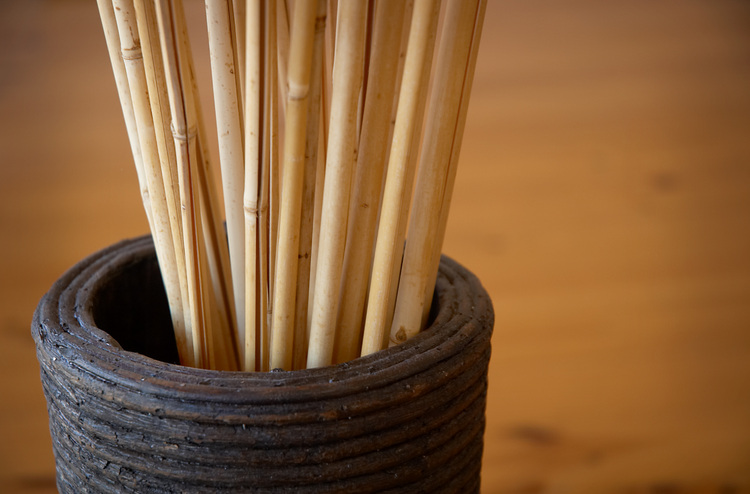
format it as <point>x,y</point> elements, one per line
<point>455,151</point>
<point>308,192</point>
<point>190,130</point>
<point>153,63</point>
<point>283,16</point>
<point>185,148</point>
<point>253,140</point>
<point>405,31</point>
<point>209,349</point>
<point>109,23</point>
<point>342,152</point>
<point>281,43</point>
<point>212,234</point>
<point>406,198</point>
<point>112,38</point>
<point>325,114</point>
<point>368,180</point>
<point>132,55</point>
<point>366,62</point>
<point>220,337</point>
<point>400,173</point>
<point>282,47</point>
<point>180,324</point>
<point>261,358</point>
<point>369,22</point>
<point>300,55</point>
<point>329,55</point>
<point>270,166</point>
<point>445,99</point>
<point>398,246</point>
<point>320,173</point>
<point>230,134</point>
<point>217,317</point>
<point>219,342</point>
<point>274,200</point>
<point>159,99</point>
<point>264,322</point>
<point>215,245</point>
<point>238,13</point>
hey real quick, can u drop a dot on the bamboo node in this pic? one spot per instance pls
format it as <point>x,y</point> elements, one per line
<point>251,210</point>
<point>134,53</point>
<point>297,92</point>
<point>400,336</point>
<point>181,135</point>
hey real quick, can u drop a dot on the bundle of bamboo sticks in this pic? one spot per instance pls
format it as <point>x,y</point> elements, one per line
<point>326,111</point>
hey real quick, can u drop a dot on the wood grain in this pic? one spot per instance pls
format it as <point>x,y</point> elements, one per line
<point>603,197</point>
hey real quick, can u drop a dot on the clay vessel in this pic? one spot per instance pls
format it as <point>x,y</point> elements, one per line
<point>124,417</point>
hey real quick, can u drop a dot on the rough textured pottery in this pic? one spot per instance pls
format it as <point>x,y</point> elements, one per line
<point>125,418</point>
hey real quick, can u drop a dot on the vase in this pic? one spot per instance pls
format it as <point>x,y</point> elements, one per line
<point>126,417</point>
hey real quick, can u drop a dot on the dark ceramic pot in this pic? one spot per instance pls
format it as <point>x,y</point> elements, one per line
<point>125,418</point>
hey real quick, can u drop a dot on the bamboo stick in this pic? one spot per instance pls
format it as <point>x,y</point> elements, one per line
<point>112,38</point>
<point>210,354</point>
<point>405,31</point>
<point>180,324</point>
<point>212,234</point>
<point>400,171</point>
<point>153,65</point>
<point>253,140</point>
<point>184,138</point>
<point>238,14</point>
<point>109,23</point>
<point>317,214</point>
<point>203,241</point>
<point>211,245</point>
<point>329,55</point>
<point>369,23</point>
<point>283,16</point>
<point>450,72</point>
<point>308,192</point>
<point>158,98</point>
<point>227,102</point>
<point>320,171</point>
<point>300,55</point>
<point>274,201</point>
<point>223,344</point>
<point>342,152</point>
<point>414,154</point>
<point>216,255</point>
<point>262,342</point>
<point>132,55</point>
<point>282,46</point>
<point>368,181</point>
<point>416,140</point>
<point>269,172</point>
<point>219,343</point>
<point>281,40</point>
<point>455,151</point>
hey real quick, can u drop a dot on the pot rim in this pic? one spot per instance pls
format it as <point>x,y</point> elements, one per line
<point>70,342</point>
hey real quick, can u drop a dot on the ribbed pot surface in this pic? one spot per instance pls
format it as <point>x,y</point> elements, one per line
<point>407,419</point>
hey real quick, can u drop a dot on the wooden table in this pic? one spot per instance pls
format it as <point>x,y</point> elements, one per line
<point>603,198</point>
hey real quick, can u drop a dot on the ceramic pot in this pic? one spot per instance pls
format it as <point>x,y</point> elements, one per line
<point>125,417</point>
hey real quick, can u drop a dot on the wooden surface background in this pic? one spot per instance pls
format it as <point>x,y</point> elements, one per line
<point>603,198</point>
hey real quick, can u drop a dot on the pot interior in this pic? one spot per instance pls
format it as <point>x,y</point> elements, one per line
<point>131,306</point>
